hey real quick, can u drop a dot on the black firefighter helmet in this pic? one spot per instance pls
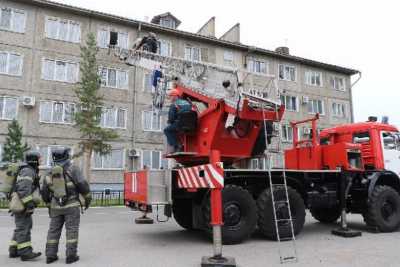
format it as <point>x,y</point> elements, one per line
<point>32,158</point>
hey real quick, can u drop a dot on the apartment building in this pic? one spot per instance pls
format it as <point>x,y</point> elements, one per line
<point>39,67</point>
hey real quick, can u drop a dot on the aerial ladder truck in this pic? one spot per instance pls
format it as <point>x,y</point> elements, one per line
<point>349,168</point>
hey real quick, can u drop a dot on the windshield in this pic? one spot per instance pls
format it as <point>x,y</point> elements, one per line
<point>391,140</point>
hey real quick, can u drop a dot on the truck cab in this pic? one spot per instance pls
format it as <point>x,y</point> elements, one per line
<point>380,143</point>
<point>391,151</point>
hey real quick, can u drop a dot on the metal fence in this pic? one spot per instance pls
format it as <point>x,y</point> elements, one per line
<point>107,198</point>
<point>103,198</point>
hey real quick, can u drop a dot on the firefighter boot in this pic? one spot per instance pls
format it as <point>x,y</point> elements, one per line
<point>51,259</point>
<point>30,256</point>
<point>72,259</point>
<point>13,252</point>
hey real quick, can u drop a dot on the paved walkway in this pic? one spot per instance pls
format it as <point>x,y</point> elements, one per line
<point>108,237</point>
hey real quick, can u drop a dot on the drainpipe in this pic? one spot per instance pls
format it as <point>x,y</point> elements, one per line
<point>134,102</point>
<point>351,95</point>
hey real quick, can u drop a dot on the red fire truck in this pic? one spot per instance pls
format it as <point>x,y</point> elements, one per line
<point>349,168</point>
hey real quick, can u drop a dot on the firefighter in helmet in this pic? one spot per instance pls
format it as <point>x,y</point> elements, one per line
<point>22,204</point>
<point>64,190</point>
<point>178,104</point>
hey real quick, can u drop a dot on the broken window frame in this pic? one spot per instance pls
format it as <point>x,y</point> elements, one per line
<point>106,43</point>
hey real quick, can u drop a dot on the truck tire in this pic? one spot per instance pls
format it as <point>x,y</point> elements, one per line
<point>266,220</point>
<point>383,210</point>
<point>183,214</point>
<point>326,215</point>
<point>239,214</point>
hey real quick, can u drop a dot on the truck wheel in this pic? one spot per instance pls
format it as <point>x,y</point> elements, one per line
<point>183,214</point>
<point>239,214</point>
<point>383,209</point>
<point>326,215</point>
<point>266,220</point>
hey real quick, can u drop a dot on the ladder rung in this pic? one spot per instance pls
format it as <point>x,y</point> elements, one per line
<point>275,151</point>
<point>288,259</point>
<point>284,220</point>
<point>279,185</point>
<point>286,239</point>
<point>281,201</point>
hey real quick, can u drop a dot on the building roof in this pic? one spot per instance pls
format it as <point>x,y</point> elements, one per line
<point>156,19</point>
<point>189,35</point>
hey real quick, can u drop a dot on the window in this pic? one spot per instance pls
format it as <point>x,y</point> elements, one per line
<point>338,83</point>
<point>12,20</point>
<point>164,48</point>
<point>45,153</point>
<point>256,66</point>
<point>192,53</point>
<point>62,29</point>
<point>307,132</point>
<point>291,102</point>
<point>8,108</point>
<point>314,78</point>
<point>391,141</point>
<point>61,71</point>
<point>108,38</point>
<point>316,106</point>
<point>10,63</point>
<point>287,133</point>
<point>113,78</point>
<point>287,73</point>
<point>113,118</point>
<point>228,57</point>
<point>167,22</point>
<point>151,121</point>
<point>153,160</point>
<point>113,160</point>
<point>57,112</point>
<point>338,110</point>
<point>258,163</point>
<point>147,82</point>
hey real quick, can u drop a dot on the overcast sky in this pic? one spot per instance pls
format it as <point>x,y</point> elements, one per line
<point>364,35</point>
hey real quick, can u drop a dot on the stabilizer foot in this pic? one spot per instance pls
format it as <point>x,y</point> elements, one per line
<point>218,261</point>
<point>373,229</point>
<point>346,232</point>
<point>144,220</point>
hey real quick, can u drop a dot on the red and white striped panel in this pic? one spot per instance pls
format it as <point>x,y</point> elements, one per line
<point>190,177</point>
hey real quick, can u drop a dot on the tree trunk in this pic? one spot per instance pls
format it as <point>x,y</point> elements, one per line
<point>87,155</point>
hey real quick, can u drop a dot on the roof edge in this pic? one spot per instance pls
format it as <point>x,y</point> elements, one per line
<point>128,21</point>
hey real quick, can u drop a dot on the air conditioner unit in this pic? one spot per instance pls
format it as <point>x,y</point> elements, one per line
<point>305,100</point>
<point>133,153</point>
<point>28,101</point>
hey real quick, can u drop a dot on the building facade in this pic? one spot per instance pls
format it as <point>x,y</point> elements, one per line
<point>39,67</point>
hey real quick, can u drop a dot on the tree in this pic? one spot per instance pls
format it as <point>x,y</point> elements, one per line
<point>13,147</point>
<point>94,138</point>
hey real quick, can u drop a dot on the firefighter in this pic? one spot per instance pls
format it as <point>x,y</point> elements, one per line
<point>178,104</point>
<point>22,206</point>
<point>64,190</point>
